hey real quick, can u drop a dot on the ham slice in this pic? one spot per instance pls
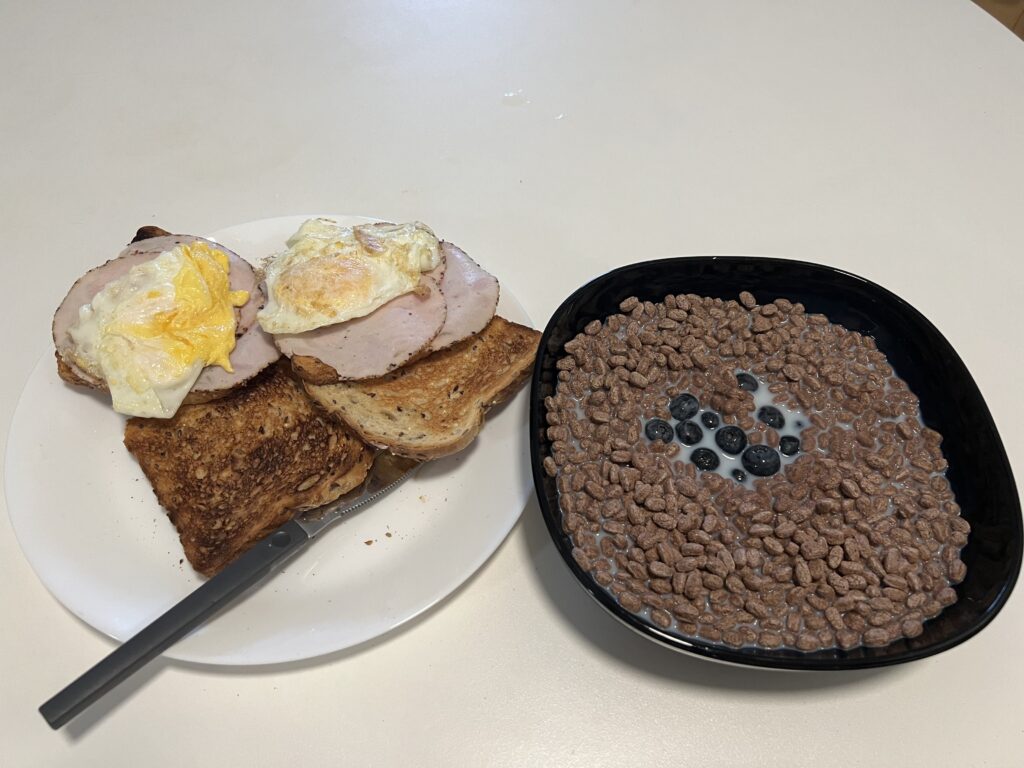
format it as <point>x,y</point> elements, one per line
<point>471,294</point>
<point>369,346</point>
<point>254,349</point>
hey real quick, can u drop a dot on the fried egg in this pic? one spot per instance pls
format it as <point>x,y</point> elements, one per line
<point>330,273</point>
<point>150,333</point>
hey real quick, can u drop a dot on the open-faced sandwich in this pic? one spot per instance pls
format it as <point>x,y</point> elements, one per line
<point>389,340</point>
<point>171,320</point>
<point>395,333</point>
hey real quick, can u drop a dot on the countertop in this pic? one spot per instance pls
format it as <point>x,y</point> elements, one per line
<point>553,141</point>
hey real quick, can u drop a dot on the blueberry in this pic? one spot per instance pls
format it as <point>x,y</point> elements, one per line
<point>710,420</point>
<point>688,432</point>
<point>789,445</point>
<point>731,439</point>
<point>771,416</point>
<point>739,475</point>
<point>658,429</point>
<point>705,459</point>
<point>684,407</point>
<point>747,382</point>
<point>761,460</point>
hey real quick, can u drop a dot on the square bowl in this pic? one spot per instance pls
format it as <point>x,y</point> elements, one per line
<point>979,471</point>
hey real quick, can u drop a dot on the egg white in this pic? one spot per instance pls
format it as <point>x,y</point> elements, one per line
<point>115,339</point>
<point>330,273</point>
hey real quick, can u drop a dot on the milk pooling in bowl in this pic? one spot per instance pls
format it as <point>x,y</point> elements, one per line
<point>727,450</point>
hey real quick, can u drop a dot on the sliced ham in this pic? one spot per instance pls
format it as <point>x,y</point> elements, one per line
<point>254,349</point>
<point>373,345</point>
<point>471,294</point>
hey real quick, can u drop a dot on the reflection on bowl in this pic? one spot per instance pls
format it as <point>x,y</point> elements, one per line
<point>978,472</point>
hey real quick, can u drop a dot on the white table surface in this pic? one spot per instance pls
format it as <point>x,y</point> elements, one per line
<point>881,137</point>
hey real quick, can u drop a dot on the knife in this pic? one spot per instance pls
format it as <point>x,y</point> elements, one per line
<point>388,472</point>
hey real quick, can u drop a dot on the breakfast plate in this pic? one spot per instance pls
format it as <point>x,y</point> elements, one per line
<point>91,528</point>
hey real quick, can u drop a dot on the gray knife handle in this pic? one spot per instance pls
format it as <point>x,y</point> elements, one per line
<point>188,614</point>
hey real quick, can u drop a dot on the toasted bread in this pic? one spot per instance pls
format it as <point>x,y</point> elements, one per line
<point>313,370</point>
<point>436,406</point>
<point>231,471</point>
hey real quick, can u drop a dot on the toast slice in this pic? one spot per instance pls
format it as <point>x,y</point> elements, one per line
<point>231,471</point>
<point>436,405</point>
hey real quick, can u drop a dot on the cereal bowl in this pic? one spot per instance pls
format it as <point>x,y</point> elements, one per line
<point>977,468</point>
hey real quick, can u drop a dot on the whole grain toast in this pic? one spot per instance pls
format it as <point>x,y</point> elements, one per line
<point>231,471</point>
<point>436,405</point>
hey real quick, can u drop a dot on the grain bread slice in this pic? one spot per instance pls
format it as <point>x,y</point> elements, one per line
<point>231,471</point>
<point>436,405</point>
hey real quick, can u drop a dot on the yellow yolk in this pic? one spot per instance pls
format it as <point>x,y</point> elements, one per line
<point>149,334</point>
<point>201,323</point>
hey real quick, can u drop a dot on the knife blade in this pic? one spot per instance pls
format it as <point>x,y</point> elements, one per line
<point>387,473</point>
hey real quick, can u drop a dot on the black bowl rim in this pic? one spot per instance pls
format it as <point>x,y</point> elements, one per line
<point>759,658</point>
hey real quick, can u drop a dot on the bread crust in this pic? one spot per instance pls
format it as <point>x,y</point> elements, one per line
<point>313,370</point>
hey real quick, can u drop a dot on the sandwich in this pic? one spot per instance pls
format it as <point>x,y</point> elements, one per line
<point>171,320</point>
<point>352,303</point>
<point>407,351</point>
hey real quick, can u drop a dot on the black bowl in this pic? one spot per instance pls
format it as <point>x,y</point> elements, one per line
<point>979,471</point>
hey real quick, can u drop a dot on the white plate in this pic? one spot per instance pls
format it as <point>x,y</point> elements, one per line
<point>89,524</point>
